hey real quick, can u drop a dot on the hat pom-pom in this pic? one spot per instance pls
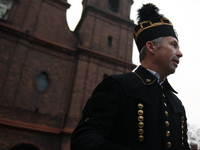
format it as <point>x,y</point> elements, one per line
<point>147,12</point>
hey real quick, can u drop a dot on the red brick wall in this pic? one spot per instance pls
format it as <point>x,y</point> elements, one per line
<point>43,18</point>
<point>36,39</point>
<point>24,111</point>
<point>124,7</point>
<point>95,30</point>
<point>11,137</point>
<point>22,64</point>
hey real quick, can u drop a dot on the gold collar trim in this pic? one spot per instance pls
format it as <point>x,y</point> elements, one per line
<point>147,82</point>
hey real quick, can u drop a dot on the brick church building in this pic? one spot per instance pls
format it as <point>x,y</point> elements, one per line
<point>48,72</point>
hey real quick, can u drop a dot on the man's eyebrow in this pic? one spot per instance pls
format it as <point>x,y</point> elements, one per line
<point>176,43</point>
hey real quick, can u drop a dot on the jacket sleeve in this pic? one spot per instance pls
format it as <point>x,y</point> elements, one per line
<point>99,116</point>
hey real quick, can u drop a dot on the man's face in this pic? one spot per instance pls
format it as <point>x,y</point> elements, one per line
<point>167,56</point>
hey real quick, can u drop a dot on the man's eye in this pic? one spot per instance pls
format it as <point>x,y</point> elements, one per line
<point>174,45</point>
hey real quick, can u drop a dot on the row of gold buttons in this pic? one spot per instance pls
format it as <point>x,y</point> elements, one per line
<point>141,123</point>
<point>167,124</point>
<point>182,128</point>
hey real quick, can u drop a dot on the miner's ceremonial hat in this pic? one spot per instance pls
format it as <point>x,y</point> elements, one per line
<point>151,25</point>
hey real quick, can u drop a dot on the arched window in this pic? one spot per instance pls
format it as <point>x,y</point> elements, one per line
<point>113,5</point>
<point>5,6</point>
<point>42,81</point>
<point>24,147</point>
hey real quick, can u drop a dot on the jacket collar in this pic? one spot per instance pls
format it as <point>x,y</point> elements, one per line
<point>148,78</point>
<point>143,85</point>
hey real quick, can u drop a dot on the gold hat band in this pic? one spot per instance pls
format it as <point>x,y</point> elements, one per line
<point>151,25</point>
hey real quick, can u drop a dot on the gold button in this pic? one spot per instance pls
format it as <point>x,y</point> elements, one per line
<point>167,123</point>
<point>166,113</point>
<point>182,133</point>
<point>164,95</point>
<point>182,144</point>
<point>182,122</point>
<point>167,133</point>
<point>140,124</point>
<point>140,131</point>
<point>140,112</point>
<point>165,104</point>
<point>169,144</point>
<point>141,138</point>
<point>140,118</point>
<point>182,118</point>
<point>182,127</point>
<point>140,106</point>
<point>161,86</point>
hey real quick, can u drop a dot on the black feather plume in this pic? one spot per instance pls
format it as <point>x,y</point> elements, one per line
<point>147,12</point>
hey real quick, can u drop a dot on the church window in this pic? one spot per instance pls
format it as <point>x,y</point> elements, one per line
<point>113,5</point>
<point>109,40</point>
<point>42,81</point>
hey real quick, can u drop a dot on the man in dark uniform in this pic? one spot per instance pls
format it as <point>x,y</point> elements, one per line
<point>138,110</point>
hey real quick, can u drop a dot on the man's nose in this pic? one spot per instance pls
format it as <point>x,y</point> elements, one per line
<point>179,54</point>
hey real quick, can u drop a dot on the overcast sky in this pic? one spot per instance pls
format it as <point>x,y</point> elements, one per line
<point>184,14</point>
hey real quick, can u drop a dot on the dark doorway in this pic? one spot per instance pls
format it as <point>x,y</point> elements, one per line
<point>24,147</point>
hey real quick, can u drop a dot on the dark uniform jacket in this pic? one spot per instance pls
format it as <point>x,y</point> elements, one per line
<point>132,112</point>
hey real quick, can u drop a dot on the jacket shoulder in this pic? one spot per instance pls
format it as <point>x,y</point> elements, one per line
<point>101,94</point>
<point>127,80</point>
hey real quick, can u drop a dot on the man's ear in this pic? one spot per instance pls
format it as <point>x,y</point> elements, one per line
<point>150,47</point>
